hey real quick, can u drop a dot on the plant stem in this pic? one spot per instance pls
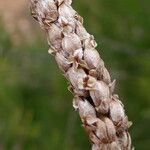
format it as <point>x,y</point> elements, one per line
<point>101,112</point>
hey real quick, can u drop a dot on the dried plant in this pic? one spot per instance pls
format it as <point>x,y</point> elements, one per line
<point>101,111</point>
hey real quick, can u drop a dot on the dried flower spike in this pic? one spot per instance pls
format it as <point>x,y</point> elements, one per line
<point>74,49</point>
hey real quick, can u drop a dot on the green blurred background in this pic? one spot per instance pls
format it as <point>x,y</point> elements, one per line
<point>35,106</point>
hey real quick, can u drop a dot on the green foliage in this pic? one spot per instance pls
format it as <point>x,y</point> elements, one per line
<point>35,106</point>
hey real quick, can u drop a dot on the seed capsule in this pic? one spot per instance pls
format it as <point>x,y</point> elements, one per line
<point>116,111</point>
<point>90,43</point>
<point>76,77</point>
<point>81,32</point>
<point>92,58</point>
<point>86,110</point>
<point>101,131</point>
<point>66,11</point>
<point>71,42</point>
<point>54,36</point>
<point>54,33</point>
<point>76,56</point>
<point>103,108</point>
<point>47,9</point>
<point>101,73</point>
<point>104,75</point>
<point>111,132</point>
<point>62,62</point>
<point>98,90</point>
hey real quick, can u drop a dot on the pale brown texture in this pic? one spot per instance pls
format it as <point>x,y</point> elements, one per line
<point>101,111</point>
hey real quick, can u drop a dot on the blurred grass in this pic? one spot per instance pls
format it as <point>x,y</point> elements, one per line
<point>35,106</point>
